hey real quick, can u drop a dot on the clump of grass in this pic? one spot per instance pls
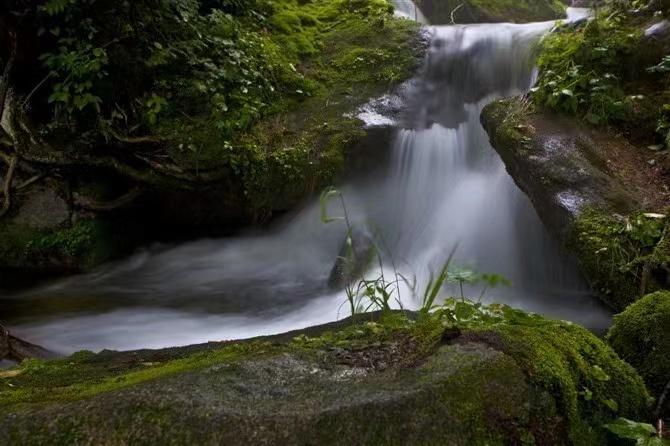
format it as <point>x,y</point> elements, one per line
<point>379,293</point>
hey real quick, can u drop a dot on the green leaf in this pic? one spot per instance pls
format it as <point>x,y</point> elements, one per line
<point>326,195</point>
<point>613,405</point>
<point>599,373</point>
<point>633,430</point>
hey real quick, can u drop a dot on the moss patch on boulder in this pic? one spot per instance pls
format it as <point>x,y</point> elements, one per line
<point>640,335</point>
<point>492,375</point>
<point>623,256</point>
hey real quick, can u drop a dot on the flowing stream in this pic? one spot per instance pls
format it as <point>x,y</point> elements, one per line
<point>444,188</point>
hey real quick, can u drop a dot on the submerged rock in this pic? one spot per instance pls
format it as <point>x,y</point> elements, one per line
<point>355,256</point>
<point>394,381</point>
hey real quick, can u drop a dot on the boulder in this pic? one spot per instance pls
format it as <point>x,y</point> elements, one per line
<point>659,31</point>
<point>394,379</point>
<point>640,335</point>
<point>594,191</point>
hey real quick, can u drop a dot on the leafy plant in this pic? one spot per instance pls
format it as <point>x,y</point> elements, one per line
<point>580,72</point>
<point>466,313</point>
<point>644,434</point>
<point>380,292</point>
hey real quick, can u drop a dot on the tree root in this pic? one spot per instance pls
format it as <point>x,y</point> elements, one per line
<point>92,205</point>
<point>7,187</point>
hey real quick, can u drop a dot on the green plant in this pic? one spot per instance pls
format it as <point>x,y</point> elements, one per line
<point>367,293</point>
<point>434,286</point>
<point>380,292</point>
<point>644,434</point>
<point>580,72</point>
<point>466,313</point>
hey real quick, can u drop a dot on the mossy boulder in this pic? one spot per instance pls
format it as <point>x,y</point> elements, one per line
<point>394,379</point>
<point>611,215</point>
<point>205,174</point>
<point>641,336</point>
<point>48,231</point>
<point>440,12</point>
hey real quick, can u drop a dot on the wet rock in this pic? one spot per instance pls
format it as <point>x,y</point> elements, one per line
<point>558,166</point>
<point>43,208</point>
<point>441,12</point>
<point>477,388</point>
<point>354,258</point>
<point>15,349</point>
<point>586,185</point>
<point>659,31</point>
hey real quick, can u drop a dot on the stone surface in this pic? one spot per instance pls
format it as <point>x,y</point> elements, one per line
<point>416,383</point>
<point>42,208</point>
<point>586,184</point>
<point>563,166</point>
<point>658,31</point>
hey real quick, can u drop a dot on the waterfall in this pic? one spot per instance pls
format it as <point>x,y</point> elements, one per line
<point>445,188</point>
<point>407,9</point>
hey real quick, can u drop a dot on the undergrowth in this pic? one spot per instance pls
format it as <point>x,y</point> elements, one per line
<point>607,73</point>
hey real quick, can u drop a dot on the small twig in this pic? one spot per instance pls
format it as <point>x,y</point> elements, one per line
<point>453,20</point>
<point>124,200</point>
<point>30,181</point>
<point>34,90</point>
<point>134,139</point>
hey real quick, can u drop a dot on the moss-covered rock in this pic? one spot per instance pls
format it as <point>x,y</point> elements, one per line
<point>640,335</point>
<point>272,144</point>
<point>395,380</point>
<point>480,11</point>
<point>611,215</point>
<point>48,231</point>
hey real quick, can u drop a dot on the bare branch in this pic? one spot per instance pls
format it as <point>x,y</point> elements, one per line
<point>7,188</point>
<point>122,201</point>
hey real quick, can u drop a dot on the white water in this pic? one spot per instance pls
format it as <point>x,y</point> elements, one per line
<point>408,10</point>
<point>445,187</point>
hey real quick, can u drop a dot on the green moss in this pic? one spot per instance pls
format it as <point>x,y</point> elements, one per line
<point>13,241</point>
<point>640,336</point>
<point>491,375</point>
<point>357,51</point>
<point>590,383</point>
<point>582,74</point>
<point>614,253</point>
<point>78,247</point>
<point>84,374</point>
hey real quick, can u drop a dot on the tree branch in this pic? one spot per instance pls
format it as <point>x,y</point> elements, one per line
<point>7,188</point>
<point>4,81</point>
<point>107,206</point>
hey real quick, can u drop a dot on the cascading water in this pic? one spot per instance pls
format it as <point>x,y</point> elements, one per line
<point>408,10</point>
<point>445,187</point>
